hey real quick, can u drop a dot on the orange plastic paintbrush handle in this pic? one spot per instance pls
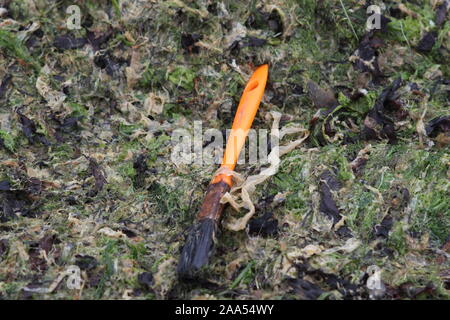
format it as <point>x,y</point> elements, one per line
<point>246,111</point>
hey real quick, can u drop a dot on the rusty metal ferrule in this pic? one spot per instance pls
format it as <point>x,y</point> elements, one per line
<point>211,207</point>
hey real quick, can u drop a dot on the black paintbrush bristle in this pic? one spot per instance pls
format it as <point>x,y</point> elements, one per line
<point>197,249</point>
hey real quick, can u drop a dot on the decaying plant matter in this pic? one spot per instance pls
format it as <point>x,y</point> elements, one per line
<point>355,207</point>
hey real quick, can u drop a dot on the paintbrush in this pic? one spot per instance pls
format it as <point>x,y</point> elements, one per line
<point>200,239</point>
